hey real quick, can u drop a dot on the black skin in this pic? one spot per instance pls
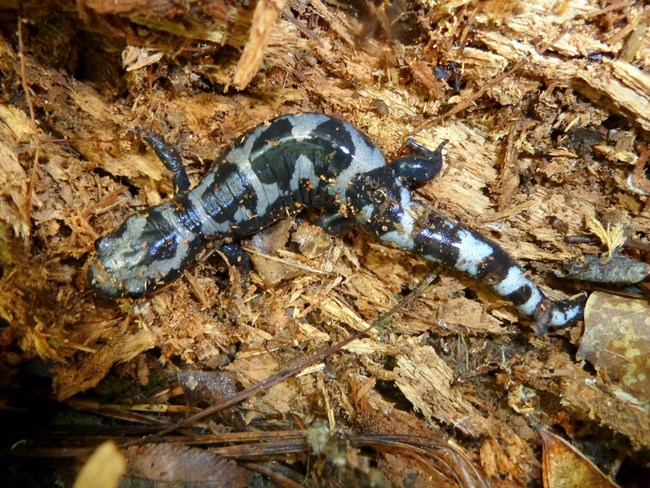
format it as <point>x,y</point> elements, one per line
<point>173,161</point>
<point>417,170</point>
<point>152,247</point>
<point>413,170</point>
<point>171,158</point>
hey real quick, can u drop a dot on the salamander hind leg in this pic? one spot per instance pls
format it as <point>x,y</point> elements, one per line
<point>237,258</point>
<point>334,223</point>
<point>421,167</point>
<point>170,157</point>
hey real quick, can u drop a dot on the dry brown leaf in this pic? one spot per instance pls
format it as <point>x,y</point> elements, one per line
<point>312,240</point>
<point>174,465</point>
<point>565,467</point>
<point>104,468</point>
<point>617,342</point>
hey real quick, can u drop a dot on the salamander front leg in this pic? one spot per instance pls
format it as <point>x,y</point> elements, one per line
<point>171,158</point>
<point>420,168</point>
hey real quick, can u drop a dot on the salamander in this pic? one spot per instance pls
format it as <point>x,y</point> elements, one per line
<point>297,161</point>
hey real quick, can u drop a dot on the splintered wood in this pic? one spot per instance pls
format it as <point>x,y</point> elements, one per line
<point>546,107</point>
<point>264,20</point>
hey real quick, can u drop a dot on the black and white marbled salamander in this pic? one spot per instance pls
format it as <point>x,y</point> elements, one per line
<point>305,160</point>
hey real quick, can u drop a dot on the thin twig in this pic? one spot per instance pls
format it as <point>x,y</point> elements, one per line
<point>21,56</point>
<point>463,104</point>
<point>300,365</point>
<point>272,475</point>
<point>27,202</point>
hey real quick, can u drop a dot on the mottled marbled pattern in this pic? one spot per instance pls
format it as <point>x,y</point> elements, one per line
<point>307,160</point>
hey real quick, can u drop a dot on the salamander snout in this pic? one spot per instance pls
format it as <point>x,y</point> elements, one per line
<point>149,250</point>
<point>120,266</point>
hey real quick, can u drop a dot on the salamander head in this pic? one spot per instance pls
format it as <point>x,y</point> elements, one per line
<point>148,251</point>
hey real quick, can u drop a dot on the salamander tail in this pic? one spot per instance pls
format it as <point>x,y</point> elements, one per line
<point>477,256</point>
<point>558,314</point>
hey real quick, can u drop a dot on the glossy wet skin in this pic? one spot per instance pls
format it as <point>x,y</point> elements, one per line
<point>316,161</point>
<point>142,253</point>
<point>275,169</point>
